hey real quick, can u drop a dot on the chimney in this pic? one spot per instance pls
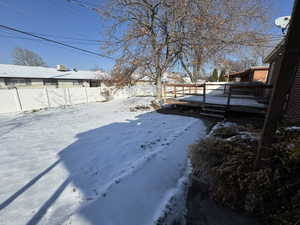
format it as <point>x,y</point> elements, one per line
<point>61,68</point>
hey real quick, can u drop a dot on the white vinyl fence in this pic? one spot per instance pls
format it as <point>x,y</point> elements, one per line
<point>26,99</point>
<point>135,91</point>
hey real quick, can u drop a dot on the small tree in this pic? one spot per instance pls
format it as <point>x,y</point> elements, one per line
<point>222,77</point>
<point>25,57</point>
<point>214,77</point>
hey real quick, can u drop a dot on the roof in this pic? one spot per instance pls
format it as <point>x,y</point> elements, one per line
<point>277,51</point>
<point>36,72</point>
<point>245,72</point>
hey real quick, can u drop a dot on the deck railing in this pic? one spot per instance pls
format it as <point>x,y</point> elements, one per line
<point>239,90</point>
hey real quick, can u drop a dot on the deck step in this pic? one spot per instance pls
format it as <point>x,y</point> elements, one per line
<point>215,106</point>
<point>219,111</point>
<point>219,116</point>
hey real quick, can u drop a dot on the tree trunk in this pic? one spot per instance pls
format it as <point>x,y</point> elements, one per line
<point>158,87</point>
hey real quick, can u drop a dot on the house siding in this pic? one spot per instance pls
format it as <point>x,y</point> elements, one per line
<point>2,83</point>
<point>273,75</point>
<point>73,83</point>
<point>36,83</point>
<point>39,83</point>
<point>293,107</point>
<point>260,75</point>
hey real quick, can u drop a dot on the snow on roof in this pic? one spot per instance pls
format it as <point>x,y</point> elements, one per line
<point>16,71</point>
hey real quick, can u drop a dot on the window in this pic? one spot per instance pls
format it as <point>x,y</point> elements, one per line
<point>50,82</point>
<point>95,83</point>
<point>77,82</point>
<point>13,82</point>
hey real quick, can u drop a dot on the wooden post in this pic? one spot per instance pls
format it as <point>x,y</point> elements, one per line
<point>225,89</point>
<point>228,98</point>
<point>182,90</point>
<point>204,93</point>
<point>287,72</point>
<point>174,92</point>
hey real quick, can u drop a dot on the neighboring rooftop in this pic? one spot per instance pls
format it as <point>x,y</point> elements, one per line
<point>254,68</point>
<point>35,72</point>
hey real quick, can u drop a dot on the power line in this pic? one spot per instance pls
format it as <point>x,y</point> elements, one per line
<point>94,41</point>
<point>54,41</point>
<point>33,39</point>
<point>70,38</point>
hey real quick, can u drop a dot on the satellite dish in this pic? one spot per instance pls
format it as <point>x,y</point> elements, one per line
<point>283,22</point>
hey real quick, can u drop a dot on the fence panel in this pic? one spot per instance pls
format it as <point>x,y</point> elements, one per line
<point>77,95</point>
<point>33,98</point>
<point>9,101</point>
<point>15,100</point>
<point>57,97</point>
<point>94,95</point>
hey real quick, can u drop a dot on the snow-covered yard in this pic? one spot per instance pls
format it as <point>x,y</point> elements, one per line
<point>94,164</point>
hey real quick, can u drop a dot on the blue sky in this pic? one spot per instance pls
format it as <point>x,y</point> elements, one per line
<point>62,19</point>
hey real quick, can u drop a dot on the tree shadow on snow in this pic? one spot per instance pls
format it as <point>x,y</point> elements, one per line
<point>96,158</point>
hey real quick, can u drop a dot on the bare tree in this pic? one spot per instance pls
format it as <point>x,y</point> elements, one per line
<point>146,31</point>
<point>123,72</point>
<point>215,28</point>
<point>22,56</point>
<point>97,68</point>
<point>190,33</point>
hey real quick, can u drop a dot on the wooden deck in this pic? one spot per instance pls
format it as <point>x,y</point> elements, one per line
<point>217,99</point>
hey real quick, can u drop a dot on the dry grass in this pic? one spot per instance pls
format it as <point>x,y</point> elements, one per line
<point>225,159</point>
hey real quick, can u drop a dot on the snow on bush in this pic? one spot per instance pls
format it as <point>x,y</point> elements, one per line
<point>225,161</point>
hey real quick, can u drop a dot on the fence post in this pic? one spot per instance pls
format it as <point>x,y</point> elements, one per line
<point>229,97</point>
<point>19,100</point>
<point>86,95</point>
<point>70,99</point>
<point>65,96</point>
<point>47,96</point>
<point>204,93</point>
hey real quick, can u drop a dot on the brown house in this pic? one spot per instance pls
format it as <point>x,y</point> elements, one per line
<point>258,73</point>
<point>292,103</point>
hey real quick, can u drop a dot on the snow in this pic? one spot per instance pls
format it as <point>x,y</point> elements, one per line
<point>219,125</point>
<point>223,100</point>
<point>294,128</point>
<point>17,71</point>
<point>94,164</point>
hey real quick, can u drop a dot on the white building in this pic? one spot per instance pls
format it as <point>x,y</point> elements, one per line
<point>37,77</point>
